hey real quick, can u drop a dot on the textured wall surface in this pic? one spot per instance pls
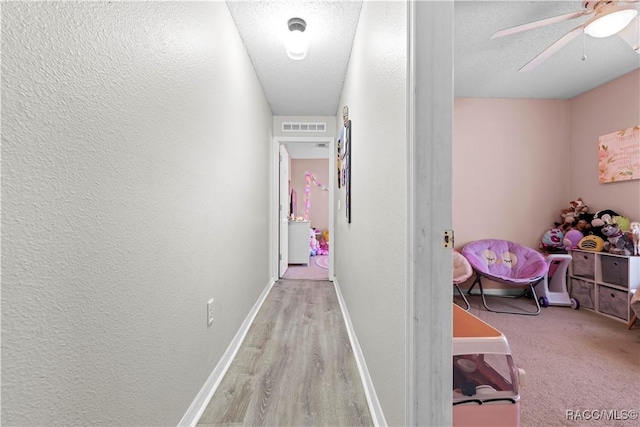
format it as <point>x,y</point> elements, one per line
<point>609,108</point>
<point>123,125</point>
<point>370,257</point>
<point>515,156</point>
<point>510,162</point>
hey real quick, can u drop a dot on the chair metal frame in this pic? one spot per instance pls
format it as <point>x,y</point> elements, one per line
<point>461,278</point>
<point>466,301</point>
<point>530,288</point>
<point>529,282</point>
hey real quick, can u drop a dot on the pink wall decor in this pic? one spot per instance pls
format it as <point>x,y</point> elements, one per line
<point>307,190</point>
<point>619,155</point>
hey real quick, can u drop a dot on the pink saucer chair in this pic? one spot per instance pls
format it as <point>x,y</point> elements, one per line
<point>462,270</point>
<point>509,263</point>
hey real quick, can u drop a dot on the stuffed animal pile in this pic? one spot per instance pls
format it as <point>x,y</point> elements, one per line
<point>578,225</point>
<point>318,246</point>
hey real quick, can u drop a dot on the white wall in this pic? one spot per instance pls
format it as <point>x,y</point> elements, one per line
<point>370,258</point>
<point>122,126</point>
<point>510,168</point>
<point>609,108</point>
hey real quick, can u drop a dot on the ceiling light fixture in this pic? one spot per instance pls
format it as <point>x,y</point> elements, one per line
<point>610,23</point>
<point>296,41</point>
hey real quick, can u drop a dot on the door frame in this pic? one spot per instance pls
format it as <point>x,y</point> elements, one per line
<point>429,293</point>
<point>275,197</point>
<point>284,179</point>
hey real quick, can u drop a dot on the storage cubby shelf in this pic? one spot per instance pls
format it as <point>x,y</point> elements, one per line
<point>604,282</point>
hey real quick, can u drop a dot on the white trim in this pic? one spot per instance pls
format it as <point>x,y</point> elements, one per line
<point>367,383</point>
<point>410,403</point>
<point>274,216</point>
<point>274,213</point>
<point>199,404</point>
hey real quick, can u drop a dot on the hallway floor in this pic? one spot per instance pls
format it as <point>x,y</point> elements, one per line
<point>309,272</point>
<point>295,367</point>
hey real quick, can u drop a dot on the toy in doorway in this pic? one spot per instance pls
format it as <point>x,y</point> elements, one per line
<point>318,245</point>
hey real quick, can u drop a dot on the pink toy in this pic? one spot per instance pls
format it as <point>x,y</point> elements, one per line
<point>572,238</point>
<point>323,246</point>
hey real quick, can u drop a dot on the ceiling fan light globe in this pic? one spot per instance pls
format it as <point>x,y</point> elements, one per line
<point>611,23</point>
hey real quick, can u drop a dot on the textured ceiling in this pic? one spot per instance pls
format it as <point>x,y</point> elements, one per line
<point>482,67</point>
<point>488,68</point>
<point>312,86</point>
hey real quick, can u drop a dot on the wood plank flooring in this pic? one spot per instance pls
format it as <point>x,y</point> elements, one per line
<point>295,367</point>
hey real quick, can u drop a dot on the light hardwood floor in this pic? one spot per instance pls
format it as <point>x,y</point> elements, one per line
<point>295,367</point>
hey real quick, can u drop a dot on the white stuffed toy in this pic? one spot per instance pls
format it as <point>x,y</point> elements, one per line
<point>313,243</point>
<point>635,236</point>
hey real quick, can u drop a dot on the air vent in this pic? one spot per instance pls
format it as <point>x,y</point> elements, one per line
<point>322,145</point>
<point>304,127</point>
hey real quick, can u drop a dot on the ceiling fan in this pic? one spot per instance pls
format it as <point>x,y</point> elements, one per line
<point>608,18</point>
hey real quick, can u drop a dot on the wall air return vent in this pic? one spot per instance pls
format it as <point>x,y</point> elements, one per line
<point>304,127</point>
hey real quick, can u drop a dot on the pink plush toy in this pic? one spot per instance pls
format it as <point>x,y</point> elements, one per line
<point>323,246</point>
<point>572,238</point>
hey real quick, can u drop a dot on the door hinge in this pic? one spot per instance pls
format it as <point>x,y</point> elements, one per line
<point>280,257</point>
<point>280,157</point>
<point>447,239</point>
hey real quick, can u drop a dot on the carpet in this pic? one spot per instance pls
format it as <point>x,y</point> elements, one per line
<point>564,353</point>
<point>322,261</point>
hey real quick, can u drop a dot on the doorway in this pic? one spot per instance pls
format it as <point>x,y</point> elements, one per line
<point>296,223</point>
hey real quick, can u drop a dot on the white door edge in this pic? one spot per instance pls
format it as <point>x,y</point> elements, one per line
<point>429,294</point>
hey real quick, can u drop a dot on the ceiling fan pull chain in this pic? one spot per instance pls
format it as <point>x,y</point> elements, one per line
<point>584,46</point>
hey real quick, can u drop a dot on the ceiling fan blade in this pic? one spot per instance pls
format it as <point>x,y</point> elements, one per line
<point>631,34</point>
<point>541,23</point>
<point>561,42</point>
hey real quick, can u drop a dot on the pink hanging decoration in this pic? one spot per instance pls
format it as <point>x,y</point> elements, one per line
<point>307,192</point>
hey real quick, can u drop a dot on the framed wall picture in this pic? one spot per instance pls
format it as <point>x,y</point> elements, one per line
<point>348,148</point>
<point>339,162</point>
<point>619,156</point>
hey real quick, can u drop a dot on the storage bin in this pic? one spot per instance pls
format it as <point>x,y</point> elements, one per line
<point>615,270</point>
<point>583,264</point>
<point>583,292</point>
<point>614,302</point>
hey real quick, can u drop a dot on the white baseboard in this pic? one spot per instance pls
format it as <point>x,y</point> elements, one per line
<point>199,404</point>
<point>370,392</point>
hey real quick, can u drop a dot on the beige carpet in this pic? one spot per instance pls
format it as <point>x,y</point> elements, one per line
<point>574,360</point>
